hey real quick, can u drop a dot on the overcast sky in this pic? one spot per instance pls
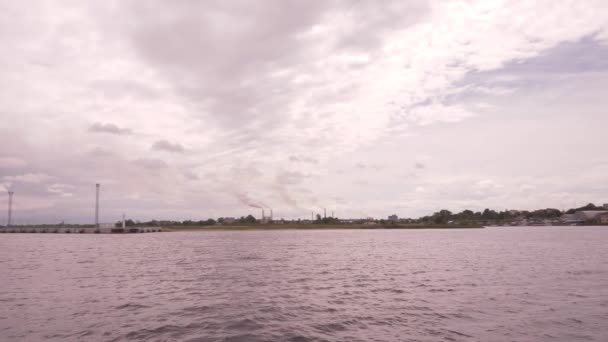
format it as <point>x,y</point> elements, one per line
<point>196,109</point>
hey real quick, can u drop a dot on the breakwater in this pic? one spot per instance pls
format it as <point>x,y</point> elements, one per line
<point>79,230</point>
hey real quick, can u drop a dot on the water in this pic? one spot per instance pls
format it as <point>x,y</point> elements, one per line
<point>496,284</point>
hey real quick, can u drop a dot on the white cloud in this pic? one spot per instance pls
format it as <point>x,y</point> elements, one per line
<point>29,178</point>
<point>60,189</point>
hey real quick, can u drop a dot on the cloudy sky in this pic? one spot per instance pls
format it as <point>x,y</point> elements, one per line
<point>195,109</point>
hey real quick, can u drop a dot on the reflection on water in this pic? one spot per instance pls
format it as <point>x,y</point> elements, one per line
<point>495,284</point>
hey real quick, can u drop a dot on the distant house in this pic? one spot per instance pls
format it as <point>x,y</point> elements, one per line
<point>606,206</point>
<point>229,220</point>
<point>393,218</point>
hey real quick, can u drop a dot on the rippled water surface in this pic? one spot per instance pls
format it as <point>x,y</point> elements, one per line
<point>495,284</point>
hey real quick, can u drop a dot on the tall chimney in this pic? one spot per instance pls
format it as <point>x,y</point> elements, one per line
<point>97,205</point>
<point>10,208</point>
<point>270,214</point>
<point>324,213</point>
<point>123,222</point>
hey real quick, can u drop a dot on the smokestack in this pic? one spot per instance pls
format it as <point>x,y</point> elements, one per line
<point>324,213</point>
<point>263,215</point>
<point>124,224</point>
<point>332,213</point>
<point>10,208</point>
<point>270,214</point>
<point>312,216</point>
<point>97,205</point>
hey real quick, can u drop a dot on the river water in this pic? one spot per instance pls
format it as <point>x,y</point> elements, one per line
<point>494,284</point>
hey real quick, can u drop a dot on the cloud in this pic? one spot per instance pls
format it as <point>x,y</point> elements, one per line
<point>371,166</point>
<point>191,175</point>
<point>11,163</point>
<point>34,178</point>
<point>108,128</point>
<point>151,163</point>
<point>164,145</point>
<point>438,113</point>
<point>5,186</point>
<point>290,177</point>
<point>264,94</point>
<point>419,166</point>
<point>60,189</point>
<point>303,159</point>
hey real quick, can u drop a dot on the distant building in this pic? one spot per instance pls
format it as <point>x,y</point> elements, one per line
<point>229,220</point>
<point>602,218</point>
<point>393,218</point>
<point>590,215</point>
<point>606,206</point>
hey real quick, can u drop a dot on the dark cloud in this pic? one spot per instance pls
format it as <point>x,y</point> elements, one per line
<point>164,145</point>
<point>419,166</point>
<point>108,128</point>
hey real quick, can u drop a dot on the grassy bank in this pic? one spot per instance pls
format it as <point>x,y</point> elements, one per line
<point>315,227</point>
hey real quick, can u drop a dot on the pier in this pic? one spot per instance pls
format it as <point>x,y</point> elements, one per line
<point>97,228</point>
<point>79,230</point>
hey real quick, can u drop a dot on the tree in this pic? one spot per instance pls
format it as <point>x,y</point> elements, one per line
<point>442,216</point>
<point>249,219</point>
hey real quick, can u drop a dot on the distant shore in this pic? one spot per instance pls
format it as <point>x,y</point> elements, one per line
<point>317,227</point>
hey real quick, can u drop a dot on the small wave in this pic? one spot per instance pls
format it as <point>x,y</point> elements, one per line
<point>245,338</point>
<point>330,327</point>
<point>458,333</point>
<point>131,306</point>
<point>244,324</point>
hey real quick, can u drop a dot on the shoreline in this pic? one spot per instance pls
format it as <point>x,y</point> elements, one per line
<point>314,227</point>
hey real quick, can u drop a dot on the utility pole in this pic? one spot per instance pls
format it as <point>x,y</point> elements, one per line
<point>97,205</point>
<point>10,208</point>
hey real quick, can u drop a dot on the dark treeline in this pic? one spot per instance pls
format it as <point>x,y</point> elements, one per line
<point>468,216</point>
<point>440,217</point>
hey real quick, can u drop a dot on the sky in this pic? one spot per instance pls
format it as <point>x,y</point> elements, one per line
<point>189,109</point>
